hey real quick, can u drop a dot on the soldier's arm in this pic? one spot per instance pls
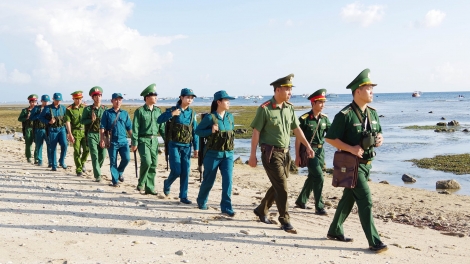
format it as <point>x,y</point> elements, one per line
<point>42,115</point>
<point>23,115</point>
<point>86,116</point>
<point>165,116</point>
<point>128,125</point>
<point>135,128</point>
<point>204,129</point>
<point>161,130</point>
<point>299,135</point>
<point>195,136</point>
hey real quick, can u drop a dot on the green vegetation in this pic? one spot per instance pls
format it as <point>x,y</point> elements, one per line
<point>415,127</point>
<point>458,163</point>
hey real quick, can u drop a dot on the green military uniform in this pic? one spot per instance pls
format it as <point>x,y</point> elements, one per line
<point>347,127</point>
<point>80,148</point>
<point>275,124</point>
<point>27,130</point>
<point>318,127</point>
<point>92,132</point>
<point>144,135</point>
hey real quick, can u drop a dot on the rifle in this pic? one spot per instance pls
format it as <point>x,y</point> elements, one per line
<point>200,157</point>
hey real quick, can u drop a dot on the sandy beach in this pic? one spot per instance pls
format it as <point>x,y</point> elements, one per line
<point>57,217</point>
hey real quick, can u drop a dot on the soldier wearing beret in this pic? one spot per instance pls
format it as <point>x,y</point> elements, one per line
<point>356,129</point>
<point>181,135</point>
<point>314,124</point>
<point>40,131</point>
<point>272,125</point>
<point>145,130</point>
<point>27,125</point>
<point>53,118</point>
<point>91,118</point>
<point>76,132</point>
<point>218,128</point>
<point>116,122</point>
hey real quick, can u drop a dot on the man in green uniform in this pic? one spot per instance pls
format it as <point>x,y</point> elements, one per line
<point>76,132</point>
<point>314,124</point>
<point>356,129</point>
<point>91,118</point>
<point>27,125</point>
<point>272,125</point>
<point>145,130</point>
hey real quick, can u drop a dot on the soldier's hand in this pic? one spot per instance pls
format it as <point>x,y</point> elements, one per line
<point>297,161</point>
<point>71,138</point>
<point>133,148</point>
<point>102,144</point>
<point>379,140</point>
<point>215,128</point>
<point>52,121</point>
<point>93,116</point>
<point>311,153</point>
<point>176,112</point>
<point>196,154</point>
<point>358,151</point>
<point>252,161</point>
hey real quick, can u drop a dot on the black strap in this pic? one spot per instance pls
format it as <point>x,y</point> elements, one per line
<point>115,121</point>
<point>316,129</point>
<point>358,113</point>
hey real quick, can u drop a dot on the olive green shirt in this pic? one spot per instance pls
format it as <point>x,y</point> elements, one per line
<point>308,124</point>
<point>23,118</point>
<point>90,126</point>
<point>348,128</point>
<point>145,124</point>
<point>275,123</point>
<point>74,116</point>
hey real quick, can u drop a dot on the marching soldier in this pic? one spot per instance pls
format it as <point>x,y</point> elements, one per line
<point>116,122</point>
<point>53,117</point>
<point>356,129</point>
<point>40,131</point>
<point>181,136</point>
<point>145,130</point>
<point>271,129</point>
<point>27,127</point>
<point>91,118</point>
<point>218,128</point>
<point>314,124</point>
<point>76,132</point>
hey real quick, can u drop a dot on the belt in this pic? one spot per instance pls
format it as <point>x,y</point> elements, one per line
<point>366,162</point>
<point>317,146</point>
<point>149,136</point>
<point>282,150</point>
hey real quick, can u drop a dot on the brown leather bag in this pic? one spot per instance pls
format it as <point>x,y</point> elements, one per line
<point>345,167</point>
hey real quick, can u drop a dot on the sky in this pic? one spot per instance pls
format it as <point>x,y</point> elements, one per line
<point>49,46</point>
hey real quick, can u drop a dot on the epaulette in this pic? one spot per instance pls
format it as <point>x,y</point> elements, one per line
<point>346,109</point>
<point>83,104</point>
<point>371,108</point>
<point>69,107</point>
<point>263,105</point>
<point>322,114</point>
<point>304,116</point>
<point>289,103</point>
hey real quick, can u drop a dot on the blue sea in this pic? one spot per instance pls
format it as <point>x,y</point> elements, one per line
<point>399,110</point>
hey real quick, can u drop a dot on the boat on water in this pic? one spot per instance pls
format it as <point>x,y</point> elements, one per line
<point>416,94</point>
<point>331,95</point>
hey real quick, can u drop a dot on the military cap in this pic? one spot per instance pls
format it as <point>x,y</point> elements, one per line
<point>95,90</point>
<point>222,95</point>
<point>116,95</point>
<point>362,79</point>
<point>318,95</point>
<point>57,97</point>
<point>187,92</point>
<point>33,97</point>
<point>150,90</point>
<point>77,95</point>
<point>45,98</point>
<point>284,81</point>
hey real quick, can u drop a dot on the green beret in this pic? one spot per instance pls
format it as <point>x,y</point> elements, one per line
<point>284,81</point>
<point>33,97</point>
<point>362,79</point>
<point>95,90</point>
<point>318,95</point>
<point>150,90</point>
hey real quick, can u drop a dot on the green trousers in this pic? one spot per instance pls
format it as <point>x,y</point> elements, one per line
<point>277,169</point>
<point>361,195</point>
<point>97,153</point>
<point>147,148</point>
<point>28,140</point>
<point>314,181</point>
<point>80,149</point>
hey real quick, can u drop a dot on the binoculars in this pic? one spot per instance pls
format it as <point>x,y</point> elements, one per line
<point>368,139</point>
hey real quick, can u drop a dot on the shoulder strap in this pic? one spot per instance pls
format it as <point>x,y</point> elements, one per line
<point>214,119</point>
<point>115,120</point>
<point>316,129</point>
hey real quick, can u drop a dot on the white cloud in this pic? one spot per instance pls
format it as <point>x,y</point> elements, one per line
<point>85,39</point>
<point>434,18</point>
<point>289,23</point>
<point>15,77</point>
<point>357,13</point>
